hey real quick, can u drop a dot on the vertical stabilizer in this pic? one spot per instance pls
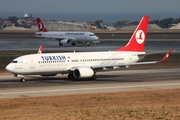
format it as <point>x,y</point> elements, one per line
<point>40,25</point>
<point>137,41</point>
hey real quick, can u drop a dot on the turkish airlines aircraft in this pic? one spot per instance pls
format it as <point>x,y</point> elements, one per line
<point>66,37</point>
<point>85,64</point>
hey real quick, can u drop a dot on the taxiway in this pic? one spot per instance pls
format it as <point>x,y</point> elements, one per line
<point>105,44</point>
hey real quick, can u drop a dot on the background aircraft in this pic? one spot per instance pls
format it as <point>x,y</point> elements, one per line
<point>66,37</point>
<point>85,64</point>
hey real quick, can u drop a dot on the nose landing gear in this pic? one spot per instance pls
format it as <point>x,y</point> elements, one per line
<point>22,80</point>
<point>88,44</point>
<point>22,77</point>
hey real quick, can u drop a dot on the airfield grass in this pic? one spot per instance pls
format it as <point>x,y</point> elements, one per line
<point>127,105</point>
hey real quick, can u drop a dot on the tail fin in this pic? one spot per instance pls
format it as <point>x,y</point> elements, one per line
<point>137,41</point>
<point>40,25</point>
<point>40,49</point>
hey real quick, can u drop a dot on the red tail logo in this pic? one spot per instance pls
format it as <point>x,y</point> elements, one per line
<point>41,27</point>
<point>137,41</point>
<point>140,37</point>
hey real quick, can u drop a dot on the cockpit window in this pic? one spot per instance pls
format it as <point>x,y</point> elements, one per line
<point>14,61</point>
<point>39,34</point>
<point>17,61</point>
<point>91,35</point>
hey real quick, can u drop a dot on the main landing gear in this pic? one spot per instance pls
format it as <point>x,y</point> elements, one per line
<point>94,77</point>
<point>73,44</point>
<point>71,76</point>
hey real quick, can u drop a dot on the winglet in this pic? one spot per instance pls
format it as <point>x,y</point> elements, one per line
<point>40,49</point>
<point>166,56</point>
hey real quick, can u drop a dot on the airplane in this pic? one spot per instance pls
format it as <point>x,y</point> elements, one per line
<point>66,37</point>
<point>85,64</point>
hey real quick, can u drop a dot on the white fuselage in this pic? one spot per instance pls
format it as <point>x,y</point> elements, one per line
<point>73,36</point>
<point>61,63</point>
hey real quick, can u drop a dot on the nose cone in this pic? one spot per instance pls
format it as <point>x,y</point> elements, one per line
<point>10,67</point>
<point>96,38</point>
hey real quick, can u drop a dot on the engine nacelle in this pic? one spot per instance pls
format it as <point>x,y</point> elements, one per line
<point>66,41</point>
<point>83,73</point>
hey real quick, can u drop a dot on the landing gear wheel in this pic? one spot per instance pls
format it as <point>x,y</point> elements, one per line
<point>22,80</point>
<point>71,76</point>
<point>88,44</point>
<point>73,44</point>
<point>60,44</point>
<point>94,77</point>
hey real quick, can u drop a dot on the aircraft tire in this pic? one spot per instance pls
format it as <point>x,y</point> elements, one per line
<point>73,44</point>
<point>94,77</point>
<point>22,79</point>
<point>71,76</point>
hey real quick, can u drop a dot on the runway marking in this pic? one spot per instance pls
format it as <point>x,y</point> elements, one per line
<point>100,88</point>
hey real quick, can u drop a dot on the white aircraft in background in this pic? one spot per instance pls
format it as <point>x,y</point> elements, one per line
<point>66,37</point>
<point>85,64</point>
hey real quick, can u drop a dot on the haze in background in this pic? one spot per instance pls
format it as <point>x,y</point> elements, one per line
<point>91,10</point>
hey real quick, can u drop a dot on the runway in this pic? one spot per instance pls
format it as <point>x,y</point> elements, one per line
<point>105,44</point>
<point>112,81</point>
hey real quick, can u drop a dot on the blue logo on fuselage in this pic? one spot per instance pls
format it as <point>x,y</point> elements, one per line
<point>60,57</point>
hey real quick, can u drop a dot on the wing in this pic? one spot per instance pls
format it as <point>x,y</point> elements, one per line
<point>129,64</point>
<point>115,66</point>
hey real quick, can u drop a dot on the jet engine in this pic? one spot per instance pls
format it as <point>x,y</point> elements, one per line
<point>83,73</point>
<point>66,41</point>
